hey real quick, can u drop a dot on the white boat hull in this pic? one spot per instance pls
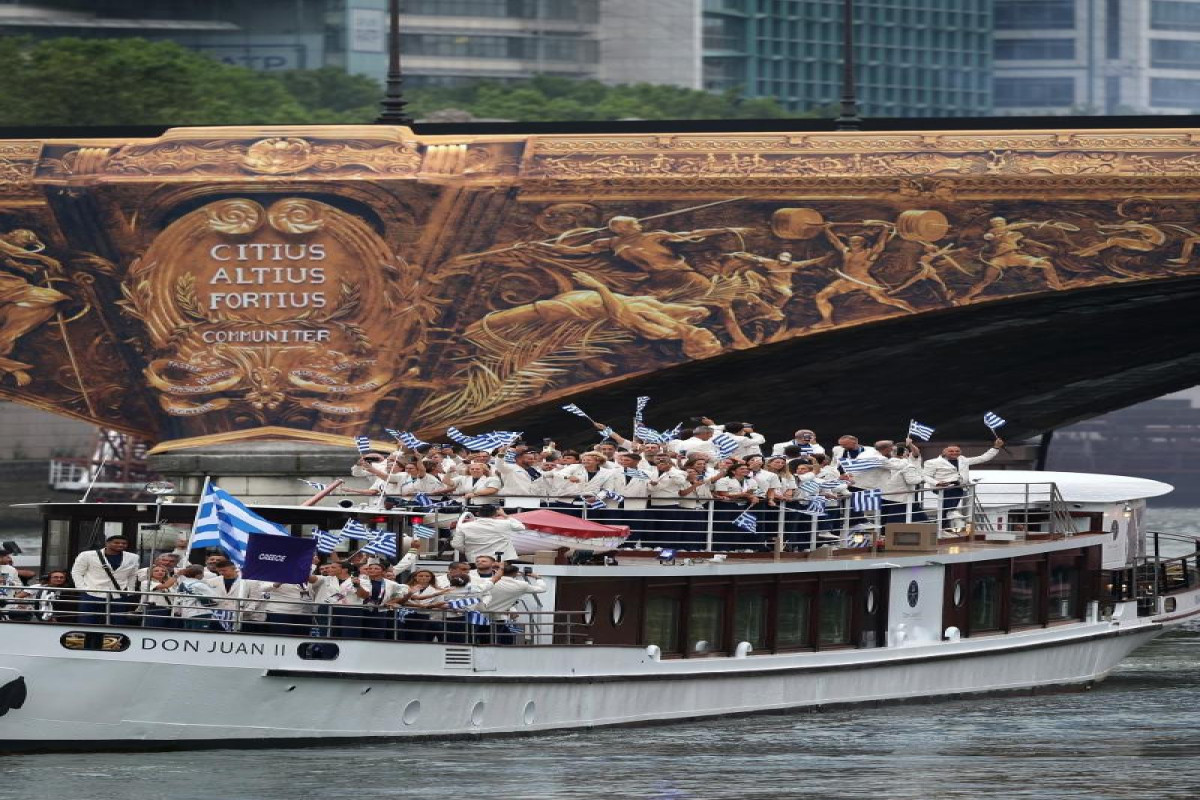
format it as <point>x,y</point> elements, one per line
<point>190,689</point>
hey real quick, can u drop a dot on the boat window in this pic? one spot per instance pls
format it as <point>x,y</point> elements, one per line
<point>959,595</point>
<point>95,640</point>
<point>1064,591</point>
<point>705,622</point>
<point>835,616</point>
<point>662,623</point>
<point>1023,599</point>
<point>618,611</point>
<point>985,603</point>
<point>318,651</point>
<point>57,553</point>
<point>750,619</point>
<point>589,610</point>
<point>795,612</point>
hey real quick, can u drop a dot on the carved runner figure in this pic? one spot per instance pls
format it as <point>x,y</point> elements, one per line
<point>854,273</point>
<point>1007,245</point>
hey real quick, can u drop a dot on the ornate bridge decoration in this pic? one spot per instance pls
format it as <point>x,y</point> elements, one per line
<point>336,280</point>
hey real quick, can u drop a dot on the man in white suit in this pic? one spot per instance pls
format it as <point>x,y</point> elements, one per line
<point>951,472</point>
<point>107,578</point>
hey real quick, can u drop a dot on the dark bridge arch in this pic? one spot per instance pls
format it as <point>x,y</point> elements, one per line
<point>1042,361</point>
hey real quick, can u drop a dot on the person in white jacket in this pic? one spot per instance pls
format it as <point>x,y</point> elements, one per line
<point>509,586</point>
<point>951,472</point>
<point>107,577</point>
<point>490,532</point>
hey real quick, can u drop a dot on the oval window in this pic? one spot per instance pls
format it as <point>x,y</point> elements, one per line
<point>913,593</point>
<point>958,594</point>
<point>871,600</point>
<point>618,611</point>
<point>1116,529</point>
<point>589,611</point>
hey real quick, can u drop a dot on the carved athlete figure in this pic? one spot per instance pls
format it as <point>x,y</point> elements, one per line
<point>854,272</point>
<point>23,306</point>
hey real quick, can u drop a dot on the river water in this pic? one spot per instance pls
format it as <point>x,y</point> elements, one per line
<point>1133,737</point>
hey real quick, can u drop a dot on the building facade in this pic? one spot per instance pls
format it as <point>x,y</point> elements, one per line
<point>445,42</point>
<point>915,58</point>
<point>1097,56</point>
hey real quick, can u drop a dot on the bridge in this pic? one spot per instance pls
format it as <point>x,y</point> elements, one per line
<point>217,284</point>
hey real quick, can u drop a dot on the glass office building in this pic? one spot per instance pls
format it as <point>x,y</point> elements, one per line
<point>1097,56</point>
<point>915,58</point>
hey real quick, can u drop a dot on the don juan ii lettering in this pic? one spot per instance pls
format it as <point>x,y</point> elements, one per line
<point>215,646</point>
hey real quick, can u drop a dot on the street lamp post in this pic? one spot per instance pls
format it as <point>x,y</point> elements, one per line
<point>393,103</point>
<point>848,120</point>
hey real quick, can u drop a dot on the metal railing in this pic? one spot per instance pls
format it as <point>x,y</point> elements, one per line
<point>311,619</point>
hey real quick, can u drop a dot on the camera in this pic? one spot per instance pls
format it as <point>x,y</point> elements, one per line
<point>527,571</point>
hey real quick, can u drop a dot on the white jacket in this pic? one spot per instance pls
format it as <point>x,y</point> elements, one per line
<point>940,470</point>
<point>486,537</point>
<point>243,595</point>
<point>505,593</point>
<point>90,574</point>
<point>904,474</point>
<point>518,489</point>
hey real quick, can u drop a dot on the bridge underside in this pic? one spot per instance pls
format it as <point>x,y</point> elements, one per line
<point>318,283</point>
<point>1044,362</point>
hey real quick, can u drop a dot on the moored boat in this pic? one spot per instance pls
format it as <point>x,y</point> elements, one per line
<point>1046,582</point>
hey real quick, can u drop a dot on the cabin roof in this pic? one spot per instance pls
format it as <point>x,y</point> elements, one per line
<point>1075,487</point>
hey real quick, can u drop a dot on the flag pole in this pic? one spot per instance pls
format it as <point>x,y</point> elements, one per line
<point>199,503</point>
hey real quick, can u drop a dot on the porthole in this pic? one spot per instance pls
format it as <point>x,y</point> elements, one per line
<point>411,712</point>
<point>1170,604</point>
<point>317,651</point>
<point>477,713</point>
<point>958,594</point>
<point>913,594</point>
<point>1116,529</point>
<point>871,600</point>
<point>589,611</point>
<point>618,611</point>
<point>530,713</point>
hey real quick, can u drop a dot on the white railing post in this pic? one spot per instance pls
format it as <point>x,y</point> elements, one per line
<point>708,544</point>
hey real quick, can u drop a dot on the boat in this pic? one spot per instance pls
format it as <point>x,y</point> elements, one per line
<point>1041,582</point>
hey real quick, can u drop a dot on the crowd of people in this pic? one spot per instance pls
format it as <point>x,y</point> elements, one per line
<point>688,491</point>
<point>355,597</point>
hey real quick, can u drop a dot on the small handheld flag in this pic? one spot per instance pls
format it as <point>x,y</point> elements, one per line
<point>815,507</point>
<point>383,543</point>
<point>919,431</point>
<point>320,487</point>
<point>746,521</point>
<point>406,438</point>
<point>593,501</point>
<point>363,443</point>
<point>424,531</point>
<point>327,541</point>
<point>463,602</point>
<point>641,406</point>
<point>478,618</point>
<point>725,444</point>
<point>861,464</point>
<point>510,456</point>
<point>993,420</point>
<point>353,529</point>
<point>866,500</point>
<point>571,408</point>
<point>636,473</point>
<point>607,433</point>
<point>422,500</point>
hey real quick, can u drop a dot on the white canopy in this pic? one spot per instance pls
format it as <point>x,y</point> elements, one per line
<point>996,486</point>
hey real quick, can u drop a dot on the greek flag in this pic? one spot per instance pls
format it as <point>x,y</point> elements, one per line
<point>607,433</point>
<point>422,500</point>
<point>805,449</point>
<point>993,420</point>
<point>860,539</point>
<point>402,614</point>
<point>464,602</point>
<point>861,464</point>
<point>593,501</point>
<point>811,486</point>
<point>725,444</point>
<point>484,441</point>
<point>636,473</point>
<point>866,500</point>
<point>571,408</point>
<point>648,434</point>
<point>224,521</point>
<point>478,618</point>
<point>641,407</point>
<point>510,456</point>
<point>327,541</point>
<point>746,521</point>
<point>922,432</point>
<point>320,487</point>
<point>830,486</point>
<point>353,529</point>
<point>383,543</point>
<point>224,618</point>
<point>424,531</point>
<point>815,507</point>
<point>673,433</point>
<point>406,438</point>
<point>363,443</point>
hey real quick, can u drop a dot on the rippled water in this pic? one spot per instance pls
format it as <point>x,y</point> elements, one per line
<point>1132,737</point>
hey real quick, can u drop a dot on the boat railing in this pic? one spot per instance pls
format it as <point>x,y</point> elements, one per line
<point>525,624</point>
<point>1160,574</point>
<point>1003,513</point>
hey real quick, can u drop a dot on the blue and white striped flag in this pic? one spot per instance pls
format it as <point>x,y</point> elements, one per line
<point>327,541</point>
<point>510,456</point>
<point>353,529</point>
<point>672,434</point>
<point>993,420</point>
<point>593,501</point>
<point>478,618</point>
<point>224,521</point>
<point>805,449</point>
<point>320,487</point>
<point>422,500</point>
<point>636,473</point>
<point>363,443</point>
<point>746,521</point>
<point>406,438</point>
<point>649,435</point>
<point>224,618</point>
<point>831,485</point>
<point>725,444</point>
<point>382,543</point>
<point>609,494</point>
<point>811,486</point>
<point>484,441</point>
<point>463,602</point>
<point>641,407</point>
<point>402,613</point>
<point>866,500</point>
<point>424,531</point>
<point>862,463</point>
<point>606,433</point>
<point>571,408</point>
<point>860,539</point>
<point>815,507</point>
<point>922,432</point>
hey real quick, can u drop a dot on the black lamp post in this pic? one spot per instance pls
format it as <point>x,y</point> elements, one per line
<point>848,120</point>
<point>393,103</point>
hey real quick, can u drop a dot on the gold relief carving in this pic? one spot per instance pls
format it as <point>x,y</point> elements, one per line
<point>279,155</point>
<point>18,165</point>
<point>283,323</point>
